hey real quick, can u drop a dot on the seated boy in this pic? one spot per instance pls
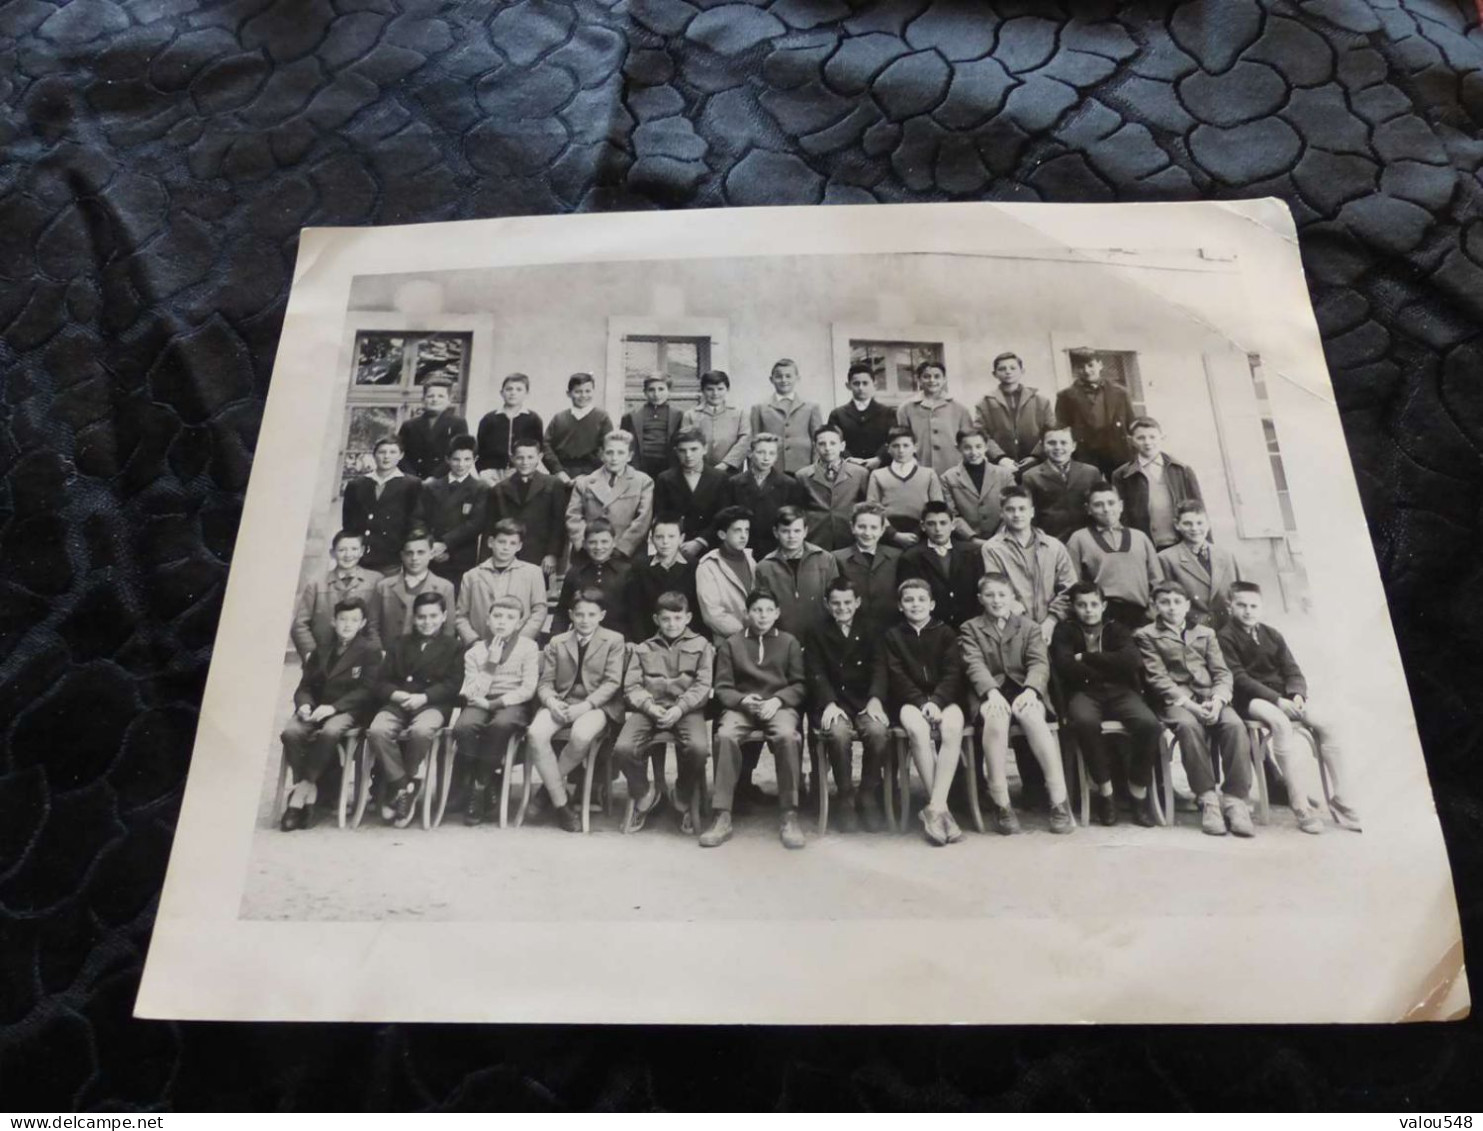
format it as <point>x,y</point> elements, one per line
<point>872,567</point>
<point>934,419</point>
<point>797,573</point>
<point>667,686</point>
<point>503,574</point>
<point>1121,561</point>
<point>1153,484</point>
<point>1007,671</point>
<point>417,688</point>
<point>500,673</point>
<point>621,494</point>
<point>392,603</point>
<point>760,686</point>
<point>601,569</point>
<point>452,508</point>
<point>1186,677</point>
<point>692,493</point>
<point>1270,688</point>
<point>1204,570</point>
<point>653,426</point>
<point>314,613</point>
<point>574,438</point>
<point>336,692</point>
<point>972,489</point>
<point>724,428</point>
<point>535,500</point>
<point>579,688</point>
<point>846,693</point>
<point>504,427</point>
<point>951,570</point>
<point>1060,486</point>
<point>763,489</point>
<point>924,682</point>
<point>382,506</point>
<point>1096,661</point>
<point>829,488</point>
<point>666,571</point>
<point>789,417</point>
<point>902,488</point>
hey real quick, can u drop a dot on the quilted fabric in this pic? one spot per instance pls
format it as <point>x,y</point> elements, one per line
<point>159,159</point>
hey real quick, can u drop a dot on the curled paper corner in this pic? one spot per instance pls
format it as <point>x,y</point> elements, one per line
<point>1445,996</point>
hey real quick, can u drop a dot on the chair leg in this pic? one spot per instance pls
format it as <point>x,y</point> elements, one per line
<point>527,770</point>
<point>903,782</point>
<point>588,771</point>
<point>968,755</point>
<point>281,785</point>
<point>888,783</point>
<point>347,780</point>
<point>1260,744</point>
<point>821,776</point>
<point>1167,745</point>
<point>363,790</point>
<point>429,785</point>
<point>445,776</point>
<point>1084,788</point>
<point>506,773</point>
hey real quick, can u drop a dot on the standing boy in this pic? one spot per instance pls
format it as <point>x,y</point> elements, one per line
<point>863,422</point>
<point>1153,484</point>
<point>417,688</point>
<point>846,697</point>
<point>314,613</point>
<point>1059,486</point>
<point>723,576</point>
<point>667,685</point>
<point>1097,412</point>
<point>724,428</point>
<point>665,571</point>
<point>653,426</point>
<point>1270,688</point>
<point>1037,566</point>
<point>1096,660</point>
<point>425,437</point>
<point>452,508</point>
<point>600,570</point>
<point>692,494</point>
<point>337,691</point>
<point>924,673</point>
<point>500,674</point>
<point>903,487</point>
<point>1008,673</point>
<point>829,488</point>
<point>501,429</point>
<point>763,489</point>
<point>502,574</point>
<point>382,506</point>
<point>1186,677</point>
<point>581,675</point>
<point>760,686</point>
<point>618,493</point>
<point>1014,416</point>
<point>534,500</point>
<point>393,603</point>
<point>1121,561</point>
<point>798,573</point>
<point>934,418</point>
<point>1205,571</point>
<point>952,571</point>
<point>789,417</point>
<point>574,438</point>
<point>871,566</point>
<point>972,489</point>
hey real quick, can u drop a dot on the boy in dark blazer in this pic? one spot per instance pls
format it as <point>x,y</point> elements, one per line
<point>924,686</point>
<point>665,571</point>
<point>425,437</point>
<point>382,506</point>
<point>1271,689</point>
<point>763,489</point>
<point>600,569</point>
<point>862,421</point>
<point>336,692</point>
<point>1059,486</point>
<point>951,569</point>
<point>453,508</point>
<point>1153,484</point>
<point>580,686</point>
<point>872,567</point>
<point>417,688</point>
<point>760,686</point>
<point>653,426</point>
<point>536,501</point>
<point>692,493</point>
<point>1096,661</point>
<point>1097,412</point>
<point>846,701</point>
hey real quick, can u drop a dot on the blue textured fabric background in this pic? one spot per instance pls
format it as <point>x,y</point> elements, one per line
<point>157,158</point>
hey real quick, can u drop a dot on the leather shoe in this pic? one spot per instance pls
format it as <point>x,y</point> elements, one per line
<point>790,832</point>
<point>478,807</point>
<point>292,818</point>
<point>1003,820</point>
<point>848,820</point>
<point>1104,810</point>
<point>1144,813</point>
<point>1237,816</point>
<point>569,816</point>
<point>719,832</point>
<point>1061,820</point>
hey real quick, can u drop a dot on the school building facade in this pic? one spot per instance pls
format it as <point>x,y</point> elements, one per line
<point>1170,326</point>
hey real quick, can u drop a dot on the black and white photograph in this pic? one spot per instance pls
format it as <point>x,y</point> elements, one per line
<point>807,603</point>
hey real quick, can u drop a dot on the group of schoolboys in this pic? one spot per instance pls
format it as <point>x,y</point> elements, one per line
<point>925,567</point>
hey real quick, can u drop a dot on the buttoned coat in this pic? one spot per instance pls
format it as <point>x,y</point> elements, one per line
<point>314,612</point>
<point>696,509</point>
<point>1209,590</point>
<point>1179,664</point>
<point>455,515</point>
<point>1017,432</point>
<point>726,433</point>
<point>348,683</point>
<point>435,671</point>
<point>626,500</point>
<point>776,491</point>
<point>483,584</point>
<point>953,578</point>
<point>391,608</point>
<point>425,439</point>
<point>384,521</point>
<point>936,430</point>
<point>875,581</point>
<point>1017,652</point>
<point>1061,500</point>
<point>1131,482</point>
<point>795,424</point>
<point>975,509</point>
<point>539,506</point>
<point>602,671</point>
<point>828,503</point>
